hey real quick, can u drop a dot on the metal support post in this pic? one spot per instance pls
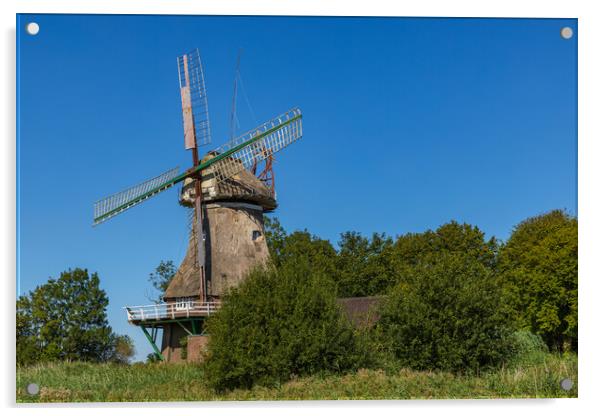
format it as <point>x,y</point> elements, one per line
<point>152,342</point>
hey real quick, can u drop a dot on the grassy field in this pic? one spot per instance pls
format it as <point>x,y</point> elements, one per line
<point>82,382</point>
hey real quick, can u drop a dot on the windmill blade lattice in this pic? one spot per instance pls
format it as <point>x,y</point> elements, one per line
<point>115,204</point>
<point>192,79</point>
<point>241,153</point>
<point>256,145</point>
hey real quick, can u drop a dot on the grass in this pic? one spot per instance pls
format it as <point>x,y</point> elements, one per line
<point>538,376</point>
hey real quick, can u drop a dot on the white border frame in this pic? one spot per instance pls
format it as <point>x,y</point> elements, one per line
<point>590,136</point>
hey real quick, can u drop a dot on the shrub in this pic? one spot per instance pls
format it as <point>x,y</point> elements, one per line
<point>525,342</point>
<point>279,323</point>
<point>527,348</point>
<point>446,315</point>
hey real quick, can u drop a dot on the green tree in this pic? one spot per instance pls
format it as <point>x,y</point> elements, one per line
<point>538,267</point>
<point>318,252</point>
<point>275,236</point>
<point>446,314</point>
<point>367,267</point>
<point>451,237</point>
<point>64,319</point>
<point>413,249</point>
<point>364,266</point>
<point>122,349</point>
<point>161,278</point>
<point>284,247</point>
<point>27,348</point>
<point>277,324</point>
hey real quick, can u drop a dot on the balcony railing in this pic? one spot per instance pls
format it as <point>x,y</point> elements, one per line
<point>170,310</point>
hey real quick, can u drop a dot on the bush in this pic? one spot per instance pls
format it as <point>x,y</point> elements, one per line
<point>525,342</point>
<point>279,323</point>
<point>446,315</point>
<point>527,348</point>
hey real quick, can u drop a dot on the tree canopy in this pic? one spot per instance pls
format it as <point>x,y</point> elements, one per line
<point>161,278</point>
<point>65,319</point>
<point>538,266</point>
<point>452,237</point>
<point>319,253</point>
<point>371,266</point>
<point>364,265</point>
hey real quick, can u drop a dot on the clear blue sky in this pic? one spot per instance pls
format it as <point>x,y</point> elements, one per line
<point>408,123</point>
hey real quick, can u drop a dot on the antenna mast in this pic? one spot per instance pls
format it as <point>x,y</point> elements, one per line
<point>233,112</point>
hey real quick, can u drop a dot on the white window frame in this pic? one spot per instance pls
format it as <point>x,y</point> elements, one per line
<point>184,303</point>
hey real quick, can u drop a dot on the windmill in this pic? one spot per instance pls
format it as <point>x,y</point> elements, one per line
<point>228,190</point>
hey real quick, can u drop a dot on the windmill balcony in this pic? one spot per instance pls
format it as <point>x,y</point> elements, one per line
<point>159,312</point>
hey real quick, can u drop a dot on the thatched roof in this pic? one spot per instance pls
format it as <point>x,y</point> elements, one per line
<point>187,281</point>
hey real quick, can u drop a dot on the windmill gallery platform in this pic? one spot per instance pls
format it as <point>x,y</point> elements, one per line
<point>361,311</point>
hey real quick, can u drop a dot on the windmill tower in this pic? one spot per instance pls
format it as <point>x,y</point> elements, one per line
<point>228,190</point>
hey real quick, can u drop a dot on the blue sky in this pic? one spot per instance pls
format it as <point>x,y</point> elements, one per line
<point>408,123</point>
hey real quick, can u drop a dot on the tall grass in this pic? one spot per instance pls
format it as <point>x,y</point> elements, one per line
<point>83,382</point>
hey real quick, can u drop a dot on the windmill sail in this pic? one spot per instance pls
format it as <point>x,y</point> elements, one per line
<point>256,145</point>
<point>115,204</point>
<point>195,110</point>
<point>241,153</point>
